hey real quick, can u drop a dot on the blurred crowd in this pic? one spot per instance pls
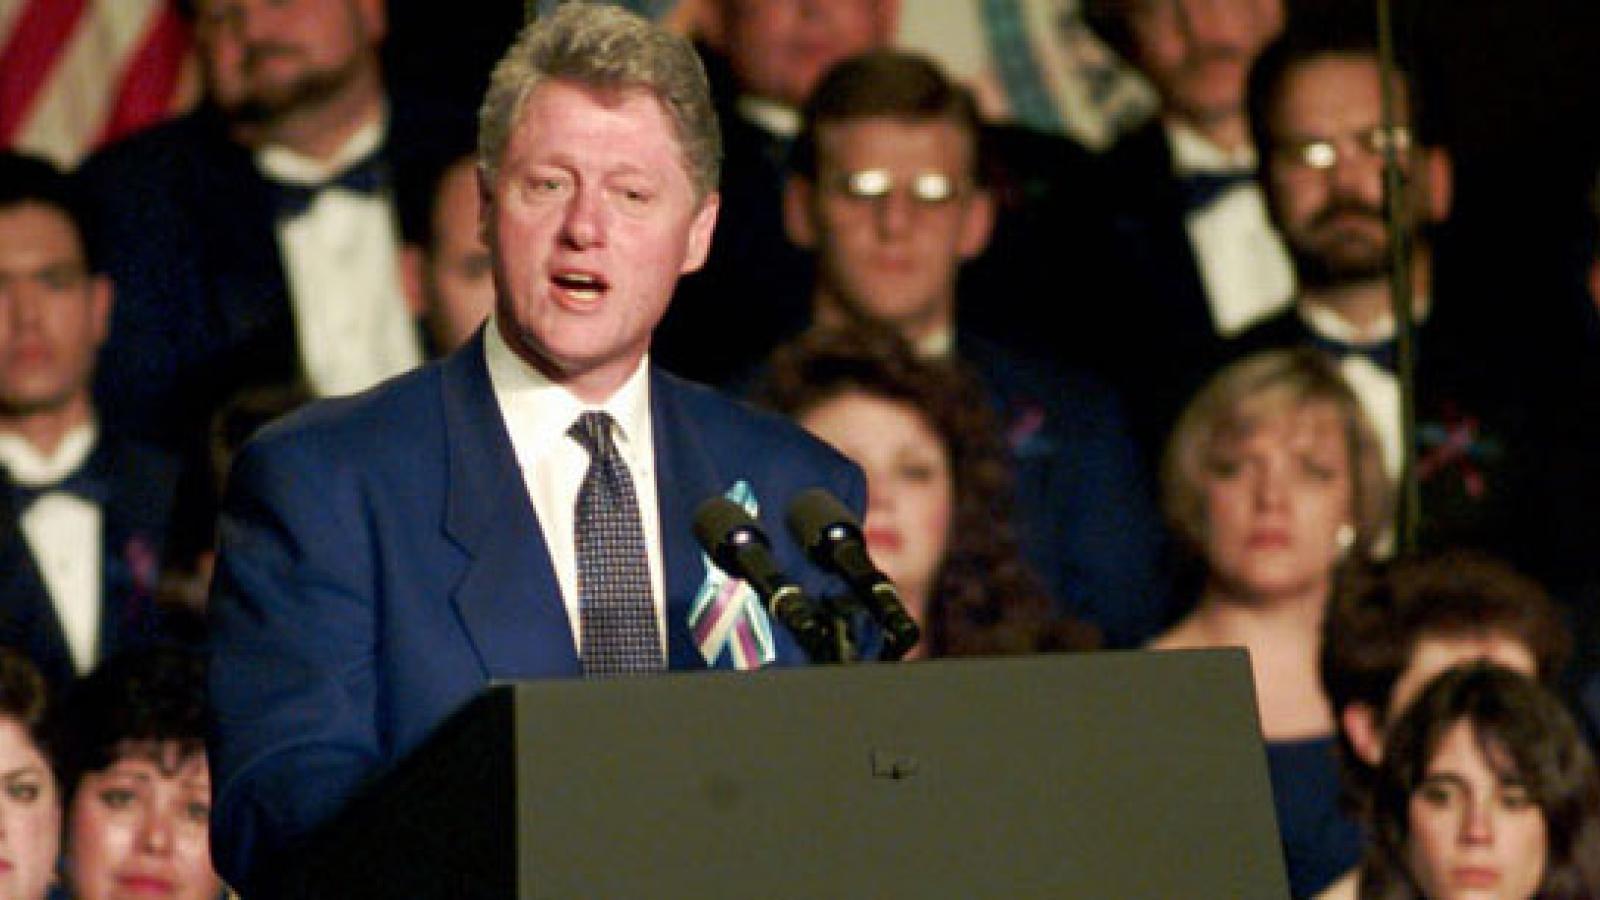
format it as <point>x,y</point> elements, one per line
<point>1153,324</point>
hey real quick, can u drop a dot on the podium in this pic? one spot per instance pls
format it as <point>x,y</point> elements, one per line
<point>1116,774</point>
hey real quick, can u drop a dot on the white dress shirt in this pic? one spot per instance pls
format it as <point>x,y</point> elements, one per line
<point>537,413</point>
<point>64,536</point>
<point>342,263</point>
<point>1244,267</point>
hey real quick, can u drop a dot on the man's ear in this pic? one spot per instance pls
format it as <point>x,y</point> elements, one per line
<point>977,224</point>
<point>799,212</point>
<point>102,294</point>
<point>701,228</point>
<point>1440,173</point>
<point>411,267</point>
<point>1361,726</point>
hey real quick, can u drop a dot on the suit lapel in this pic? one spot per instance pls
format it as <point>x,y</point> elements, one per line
<point>685,475</point>
<point>508,599</point>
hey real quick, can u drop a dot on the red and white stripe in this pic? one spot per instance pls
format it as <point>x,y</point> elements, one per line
<point>75,74</point>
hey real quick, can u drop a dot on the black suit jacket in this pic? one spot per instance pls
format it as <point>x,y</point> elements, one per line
<point>1153,335</point>
<point>139,482</point>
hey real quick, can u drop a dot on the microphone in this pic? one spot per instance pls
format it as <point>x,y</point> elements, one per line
<point>736,543</point>
<point>832,537</point>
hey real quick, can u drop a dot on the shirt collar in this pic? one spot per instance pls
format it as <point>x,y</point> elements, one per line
<point>541,410</point>
<point>1193,152</point>
<point>771,116</point>
<point>1330,323</point>
<point>280,163</point>
<point>28,466</point>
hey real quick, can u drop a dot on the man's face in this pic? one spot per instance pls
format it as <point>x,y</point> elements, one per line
<point>460,279</point>
<point>893,214</point>
<point>780,48</point>
<point>1198,53</point>
<point>53,313</point>
<point>266,58</point>
<point>590,221</point>
<point>1325,171</point>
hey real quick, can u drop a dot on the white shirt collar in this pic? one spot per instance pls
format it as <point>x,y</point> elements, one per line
<point>280,163</point>
<point>540,411</point>
<point>1193,152</point>
<point>774,117</point>
<point>28,466</point>
<point>1332,324</point>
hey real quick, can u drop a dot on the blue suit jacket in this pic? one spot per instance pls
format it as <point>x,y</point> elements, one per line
<point>381,563</point>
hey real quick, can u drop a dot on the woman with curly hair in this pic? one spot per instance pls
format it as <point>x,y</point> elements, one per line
<point>1486,790</point>
<point>939,482</point>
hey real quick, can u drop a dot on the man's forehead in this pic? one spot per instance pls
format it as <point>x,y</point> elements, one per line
<point>891,135</point>
<point>36,226</point>
<point>1335,84</point>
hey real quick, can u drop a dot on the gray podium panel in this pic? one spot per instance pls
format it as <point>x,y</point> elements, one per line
<point>1104,775</point>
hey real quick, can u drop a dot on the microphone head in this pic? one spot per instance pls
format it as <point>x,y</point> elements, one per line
<point>817,519</point>
<point>721,526</point>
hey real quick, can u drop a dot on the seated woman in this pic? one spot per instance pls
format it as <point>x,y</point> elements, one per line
<point>1486,790</point>
<point>938,508</point>
<point>129,742</point>
<point>1274,480</point>
<point>30,805</point>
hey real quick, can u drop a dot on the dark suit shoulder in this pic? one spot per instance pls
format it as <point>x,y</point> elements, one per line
<point>735,426</point>
<point>1282,330</point>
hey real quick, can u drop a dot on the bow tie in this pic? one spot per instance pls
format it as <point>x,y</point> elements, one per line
<point>1382,353</point>
<point>80,484</point>
<point>367,176</point>
<point>1199,190</point>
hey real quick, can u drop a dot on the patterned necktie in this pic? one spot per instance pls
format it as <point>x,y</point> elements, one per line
<point>616,611</point>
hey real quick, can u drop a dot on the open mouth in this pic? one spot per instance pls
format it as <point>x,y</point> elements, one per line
<point>583,287</point>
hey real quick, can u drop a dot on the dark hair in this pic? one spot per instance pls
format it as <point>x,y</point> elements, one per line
<point>890,84</point>
<point>128,703</point>
<point>28,179</point>
<point>24,696</point>
<point>1336,31</point>
<point>1523,731</point>
<point>1371,631</point>
<point>985,599</point>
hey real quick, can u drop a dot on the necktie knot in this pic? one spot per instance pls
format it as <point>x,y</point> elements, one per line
<point>1201,189</point>
<point>366,176</point>
<point>592,431</point>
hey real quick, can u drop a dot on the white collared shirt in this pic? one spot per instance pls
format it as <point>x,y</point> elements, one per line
<point>1244,267</point>
<point>341,261</point>
<point>64,536</point>
<point>537,413</point>
<point>1375,386</point>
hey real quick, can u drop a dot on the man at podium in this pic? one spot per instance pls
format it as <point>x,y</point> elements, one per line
<point>522,508</point>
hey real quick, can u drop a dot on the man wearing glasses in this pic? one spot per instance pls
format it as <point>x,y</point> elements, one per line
<point>1317,120</point>
<point>889,190</point>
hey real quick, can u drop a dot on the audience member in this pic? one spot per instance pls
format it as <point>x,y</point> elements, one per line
<point>939,487</point>
<point>1189,257</point>
<point>84,513</point>
<point>254,241</point>
<point>1317,119</point>
<point>889,193</point>
<point>1386,639</point>
<point>448,269</point>
<point>1486,790</point>
<point>30,804</point>
<point>763,58</point>
<point>130,748</point>
<point>522,509</point>
<point>1274,479</point>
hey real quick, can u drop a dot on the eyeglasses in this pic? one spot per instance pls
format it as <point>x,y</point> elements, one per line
<point>926,188</point>
<point>1324,153</point>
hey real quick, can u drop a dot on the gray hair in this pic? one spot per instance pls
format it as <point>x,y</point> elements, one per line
<point>601,45</point>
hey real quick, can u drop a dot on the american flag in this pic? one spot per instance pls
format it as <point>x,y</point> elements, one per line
<point>76,74</point>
